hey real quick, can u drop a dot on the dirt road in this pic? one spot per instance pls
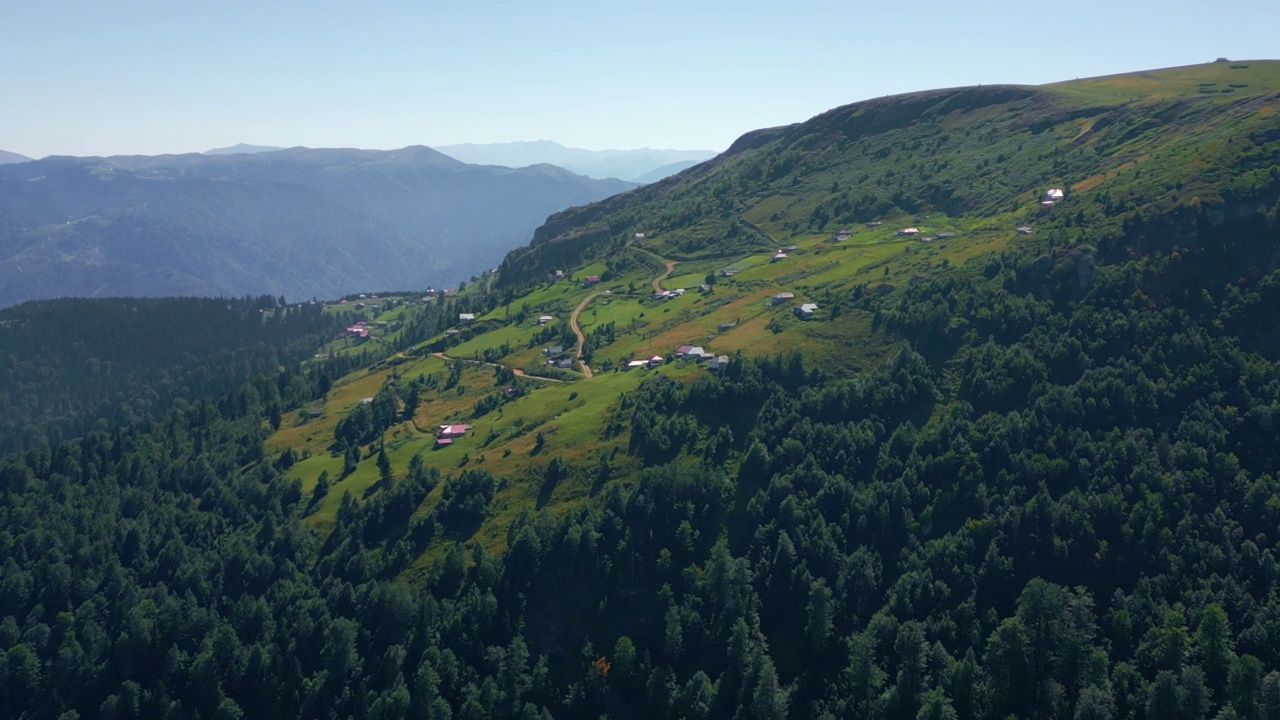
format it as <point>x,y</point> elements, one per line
<point>657,282</point>
<point>577,331</point>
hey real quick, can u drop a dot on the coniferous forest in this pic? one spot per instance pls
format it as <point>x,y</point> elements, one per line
<point>1089,531</point>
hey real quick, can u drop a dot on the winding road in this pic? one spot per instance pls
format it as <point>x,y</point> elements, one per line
<point>577,331</point>
<point>657,282</point>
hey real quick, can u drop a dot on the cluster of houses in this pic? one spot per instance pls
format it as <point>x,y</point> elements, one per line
<point>685,353</point>
<point>359,332</point>
<point>447,433</point>
<point>557,357</point>
<point>804,311</point>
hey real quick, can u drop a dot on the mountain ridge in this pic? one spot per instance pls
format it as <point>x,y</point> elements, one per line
<point>632,164</point>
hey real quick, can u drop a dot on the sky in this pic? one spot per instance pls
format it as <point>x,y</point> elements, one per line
<point>88,77</point>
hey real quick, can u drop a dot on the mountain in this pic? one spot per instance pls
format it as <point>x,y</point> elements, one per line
<point>987,431</point>
<point>297,222</point>
<point>623,164</point>
<point>240,148</point>
<point>7,157</point>
<point>960,438</point>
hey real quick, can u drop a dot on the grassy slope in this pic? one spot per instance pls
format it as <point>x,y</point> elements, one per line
<point>972,161</point>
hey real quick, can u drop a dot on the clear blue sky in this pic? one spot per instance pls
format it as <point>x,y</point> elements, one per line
<point>152,76</point>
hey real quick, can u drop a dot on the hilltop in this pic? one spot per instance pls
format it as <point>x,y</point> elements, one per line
<point>7,157</point>
<point>242,148</point>
<point>968,152</point>
<point>299,222</point>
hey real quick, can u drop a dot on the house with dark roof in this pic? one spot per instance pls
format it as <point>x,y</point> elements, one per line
<point>779,298</point>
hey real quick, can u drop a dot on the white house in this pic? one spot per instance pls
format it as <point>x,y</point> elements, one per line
<point>806,311</point>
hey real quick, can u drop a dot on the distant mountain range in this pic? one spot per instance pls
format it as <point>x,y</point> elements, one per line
<point>642,165</point>
<point>298,222</point>
<point>7,157</point>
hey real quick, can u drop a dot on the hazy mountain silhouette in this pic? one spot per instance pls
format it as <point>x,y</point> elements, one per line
<point>623,164</point>
<point>299,222</point>
<point>7,157</point>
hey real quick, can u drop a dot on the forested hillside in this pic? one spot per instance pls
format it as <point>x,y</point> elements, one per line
<point>1026,468</point>
<point>302,222</point>
<point>66,365</point>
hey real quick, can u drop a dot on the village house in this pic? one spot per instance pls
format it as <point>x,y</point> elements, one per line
<point>656,360</point>
<point>452,431</point>
<point>466,318</point>
<point>874,224</point>
<point>552,350</point>
<point>908,232</point>
<point>725,326</point>
<point>806,311</point>
<point>718,362</point>
<point>591,280</point>
<point>946,235</point>
<point>728,272</point>
<point>778,256</point>
<point>559,274</point>
<point>636,364</point>
<point>563,362</point>
<point>638,236</point>
<point>779,298</point>
<point>1024,230</point>
<point>842,235</point>
<point>545,319</point>
<point>1054,194</point>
